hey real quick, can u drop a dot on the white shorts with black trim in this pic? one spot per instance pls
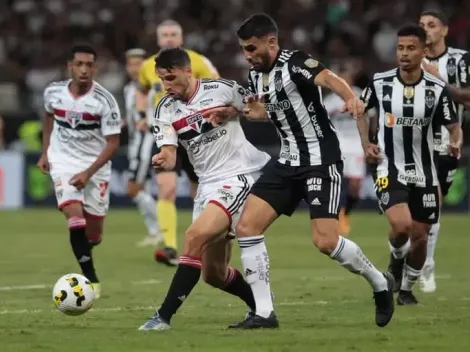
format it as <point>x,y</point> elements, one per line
<point>230,195</point>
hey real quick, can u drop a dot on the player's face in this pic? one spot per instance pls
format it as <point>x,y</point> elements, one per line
<point>132,67</point>
<point>258,51</point>
<point>410,52</point>
<point>169,37</point>
<point>435,30</point>
<point>175,81</point>
<point>82,68</point>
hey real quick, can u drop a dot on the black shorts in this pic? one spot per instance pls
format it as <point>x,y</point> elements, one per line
<point>446,167</point>
<point>423,202</point>
<point>183,164</point>
<point>283,187</point>
<point>140,151</point>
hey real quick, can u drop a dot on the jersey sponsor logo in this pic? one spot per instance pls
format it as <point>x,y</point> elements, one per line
<point>211,86</point>
<point>410,175</point>
<point>64,135</point>
<point>206,102</point>
<point>195,146</point>
<point>316,126</point>
<point>314,184</point>
<point>429,200</point>
<point>304,72</point>
<point>445,108</point>
<point>168,103</point>
<point>391,121</point>
<point>280,106</point>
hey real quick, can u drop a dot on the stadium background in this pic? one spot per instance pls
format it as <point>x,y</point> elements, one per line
<point>359,35</point>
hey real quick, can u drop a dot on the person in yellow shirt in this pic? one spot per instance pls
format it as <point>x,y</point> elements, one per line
<point>149,92</point>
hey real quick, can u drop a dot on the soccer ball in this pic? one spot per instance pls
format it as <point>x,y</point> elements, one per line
<point>73,294</point>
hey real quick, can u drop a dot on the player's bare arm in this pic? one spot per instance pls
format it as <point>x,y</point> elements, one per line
<point>47,125</point>
<point>81,179</point>
<point>459,95</point>
<point>141,101</point>
<point>455,139</point>
<point>219,115</point>
<point>353,104</point>
<point>166,159</point>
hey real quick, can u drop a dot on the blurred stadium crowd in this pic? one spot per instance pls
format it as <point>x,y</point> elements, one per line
<point>357,35</point>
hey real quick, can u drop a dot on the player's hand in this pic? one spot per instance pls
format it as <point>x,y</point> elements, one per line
<point>142,125</point>
<point>355,107</point>
<point>80,180</point>
<point>254,108</point>
<point>43,163</point>
<point>372,153</point>
<point>219,115</point>
<point>454,150</point>
<point>158,161</point>
<point>430,68</point>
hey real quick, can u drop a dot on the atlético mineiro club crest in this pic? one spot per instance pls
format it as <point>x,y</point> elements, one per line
<point>195,122</point>
<point>73,118</point>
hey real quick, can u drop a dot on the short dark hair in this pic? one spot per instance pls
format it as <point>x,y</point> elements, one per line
<point>412,30</point>
<point>257,25</point>
<point>171,58</point>
<point>436,14</point>
<point>82,48</point>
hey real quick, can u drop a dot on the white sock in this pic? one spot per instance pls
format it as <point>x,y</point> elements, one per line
<point>350,256</point>
<point>432,241</point>
<point>400,252</point>
<point>148,208</point>
<point>410,275</point>
<point>255,261</point>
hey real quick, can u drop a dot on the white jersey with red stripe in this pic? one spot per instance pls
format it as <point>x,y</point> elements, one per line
<point>217,153</point>
<point>80,125</point>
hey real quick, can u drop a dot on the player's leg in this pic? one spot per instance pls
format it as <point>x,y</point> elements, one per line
<point>354,171</point>
<point>210,222</point>
<point>424,208</point>
<point>94,233</point>
<point>272,194</point>
<point>322,189</point>
<point>140,153</point>
<point>70,202</point>
<point>446,169</point>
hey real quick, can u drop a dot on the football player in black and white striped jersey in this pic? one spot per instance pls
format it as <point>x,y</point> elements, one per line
<point>451,66</point>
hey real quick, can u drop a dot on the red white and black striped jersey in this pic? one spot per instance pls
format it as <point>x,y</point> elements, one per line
<point>295,106</point>
<point>80,123</point>
<point>215,152</point>
<point>406,115</point>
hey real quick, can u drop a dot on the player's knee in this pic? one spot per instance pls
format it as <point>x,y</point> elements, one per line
<point>214,276</point>
<point>133,189</point>
<point>194,239</point>
<point>401,227</point>
<point>354,188</point>
<point>325,239</point>
<point>245,228</point>
<point>72,210</point>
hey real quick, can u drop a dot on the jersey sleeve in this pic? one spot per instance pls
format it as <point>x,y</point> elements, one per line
<point>464,71</point>
<point>234,94</point>
<point>445,110</point>
<point>48,100</point>
<point>369,97</point>
<point>163,130</point>
<point>304,68</point>
<point>205,68</point>
<point>110,116</point>
<point>144,81</point>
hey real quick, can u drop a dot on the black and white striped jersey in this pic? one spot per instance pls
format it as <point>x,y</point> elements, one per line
<point>406,114</point>
<point>453,70</point>
<point>295,106</point>
<point>131,110</point>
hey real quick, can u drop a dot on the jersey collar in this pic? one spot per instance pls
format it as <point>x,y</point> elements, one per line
<point>439,56</point>
<point>408,84</point>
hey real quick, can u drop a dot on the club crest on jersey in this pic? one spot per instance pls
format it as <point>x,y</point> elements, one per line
<point>451,68</point>
<point>195,122</point>
<point>430,100</point>
<point>409,92</point>
<point>278,82</point>
<point>73,118</point>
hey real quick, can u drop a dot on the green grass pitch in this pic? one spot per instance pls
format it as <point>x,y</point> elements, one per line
<point>320,305</point>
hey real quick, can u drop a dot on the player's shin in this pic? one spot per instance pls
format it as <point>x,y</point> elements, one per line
<point>255,261</point>
<point>236,285</point>
<point>350,256</point>
<point>186,277</point>
<point>147,205</point>
<point>415,258</point>
<point>432,241</point>
<point>81,247</point>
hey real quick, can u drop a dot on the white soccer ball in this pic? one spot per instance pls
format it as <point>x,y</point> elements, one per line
<point>73,294</point>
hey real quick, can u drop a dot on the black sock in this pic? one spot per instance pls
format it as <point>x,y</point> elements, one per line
<point>186,277</point>
<point>237,286</point>
<point>81,248</point>
<point>350,204</point>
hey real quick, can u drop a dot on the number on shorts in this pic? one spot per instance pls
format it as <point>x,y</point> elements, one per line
<point>381,183</point>
<point>103,188</point>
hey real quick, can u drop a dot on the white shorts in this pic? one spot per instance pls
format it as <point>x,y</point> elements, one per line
<point>94,197</point>
<point>230,195</point>
<point>354,165</point>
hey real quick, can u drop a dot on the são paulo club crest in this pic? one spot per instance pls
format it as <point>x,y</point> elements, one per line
<point>195,122</point>
<point>73,118</point>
